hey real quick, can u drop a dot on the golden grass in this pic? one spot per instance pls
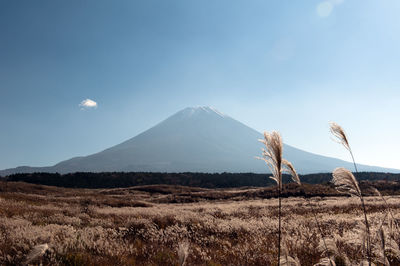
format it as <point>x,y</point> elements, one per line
<point>86,227</point>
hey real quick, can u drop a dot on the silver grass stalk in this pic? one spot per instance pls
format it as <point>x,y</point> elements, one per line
<point>340,135</point>
<point>36,252</point>
<point>183,252</point>
<point>342,138</point>
<point>345,182</point>
<point>289,168</point>
<point>272,156</point>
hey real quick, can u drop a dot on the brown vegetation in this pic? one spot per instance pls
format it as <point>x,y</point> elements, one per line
<point>149,225</point>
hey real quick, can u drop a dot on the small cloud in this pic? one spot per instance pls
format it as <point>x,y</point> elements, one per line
<point>87,104</point>
<point>325,8</point>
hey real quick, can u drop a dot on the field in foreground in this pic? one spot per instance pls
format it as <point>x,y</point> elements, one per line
<point>145,225</point>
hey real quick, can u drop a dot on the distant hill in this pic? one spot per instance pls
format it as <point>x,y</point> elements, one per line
<point>199,139</point>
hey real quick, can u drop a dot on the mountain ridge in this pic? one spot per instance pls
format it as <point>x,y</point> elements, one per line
<point>195,139</point>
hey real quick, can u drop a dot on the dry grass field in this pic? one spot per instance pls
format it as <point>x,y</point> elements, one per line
<point>145,226</point>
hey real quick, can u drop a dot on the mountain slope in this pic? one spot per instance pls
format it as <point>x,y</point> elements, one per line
<point>197,139</point>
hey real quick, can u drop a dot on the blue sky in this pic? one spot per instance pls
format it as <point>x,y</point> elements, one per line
<point>292,66</point>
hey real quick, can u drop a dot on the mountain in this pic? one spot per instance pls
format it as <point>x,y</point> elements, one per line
<point>199,139</point>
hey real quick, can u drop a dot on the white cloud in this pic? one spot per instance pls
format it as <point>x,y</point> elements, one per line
<point>87,104</point>
<point>325,8</point>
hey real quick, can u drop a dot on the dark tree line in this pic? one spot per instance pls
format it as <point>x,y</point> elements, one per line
<point>206,180</point>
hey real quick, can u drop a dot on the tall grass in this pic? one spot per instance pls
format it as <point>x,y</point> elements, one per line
<point>221,230</point>
<point>183,252</point>
<point>345,181</point>
<point>272,156</point>
<point>36,252</point>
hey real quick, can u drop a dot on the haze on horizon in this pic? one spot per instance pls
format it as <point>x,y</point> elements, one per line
<point>78,77</point>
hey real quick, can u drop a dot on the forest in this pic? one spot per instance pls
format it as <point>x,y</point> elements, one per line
<point>204,180</point>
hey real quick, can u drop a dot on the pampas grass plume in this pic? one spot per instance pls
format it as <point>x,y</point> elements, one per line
<point>36,252</point>
<point>340,135</point>
<point>345,182</point>
<point>183,253</point>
